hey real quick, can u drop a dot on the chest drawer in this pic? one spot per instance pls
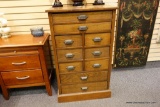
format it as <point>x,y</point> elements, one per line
<point>68,41</point>
<point>96,65</point>
<point>22,77</point>
<point>83,77</point>
<point>100,39</point>
<point>96,52</point>
<point>19,62</point>
<point>86,87</point>
<point>69,55</point>
<point>70,67</point>
<point>78,28</point>
<point>82,17</point>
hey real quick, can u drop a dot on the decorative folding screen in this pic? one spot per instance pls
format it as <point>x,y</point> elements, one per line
<point>136,21</point>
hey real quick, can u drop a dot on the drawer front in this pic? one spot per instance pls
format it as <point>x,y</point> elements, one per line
<point>70,67</point>
<point>96,65</point>
<point>100,39</point>
<point>69,55</point>
<point>86,87</point>
<point>68,41</point>
<point>83,77</point>
<point>78,28</point>
<point>19,62</point>
<point>82,17</point>
<point>22,77</point>
<point>96,52</point>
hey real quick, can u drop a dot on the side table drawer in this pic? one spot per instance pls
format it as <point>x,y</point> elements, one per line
<point>87,27</point>
<point>69,55</point>
<point>22,77</point>
<point>83,77</point>
<point>19,62</point>
<point>82,17</point>
<point>87,87</point>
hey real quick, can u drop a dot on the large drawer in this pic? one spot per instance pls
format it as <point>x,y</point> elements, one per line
<point>82,17</point>
<point>70,67</point>
<point>86,87</point>
<point>100,52</point>
<point>78,28</point>
<point>19,62</point>
<point>83,77</point>
<point>96,65</point>
<point>68,41</point>
<point>98,39</point>
<point>69,55</point>
<point>22,77</point>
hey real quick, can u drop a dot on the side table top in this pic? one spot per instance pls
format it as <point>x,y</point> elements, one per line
<point>23,40</point>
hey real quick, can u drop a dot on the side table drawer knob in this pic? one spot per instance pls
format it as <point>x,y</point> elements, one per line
<point>69,55</point>
<point>70,68</point>
<point>18,63</point>
<point>96,65</point>
<point>84,88</point>
<point>84,78</point>
<point>97,53</point>
<point>97,39</point>
<point>68,42</point>
<point>82,17</point>
<point>23,78</point>
<point>82,28</point>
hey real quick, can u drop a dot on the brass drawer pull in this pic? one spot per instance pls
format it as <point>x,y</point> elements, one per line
<point>97,53</point>
<point>97,39</point>
<point>84,78</point>
<point>82,17</point>
<point>68,42</point>
<point>20,63</point>
<point>23,78</point>
<point>82,28</point>
<point>96,65</point>
<point>69,55</point>
<point>70,68</point>
<point>84,88</point>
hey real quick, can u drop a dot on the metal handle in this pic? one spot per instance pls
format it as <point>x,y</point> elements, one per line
<point>82,17</point>
<point>96,65</point>
<point>97,53</point>
<point>97,39</point>
<point>84,78</point>
<point>23,78</point>
<point>70,68</point>
<point>69,55</point>
<point>68,42</point>
<point>18,63</point>
<point>84,88</point>
<point>82,28</point>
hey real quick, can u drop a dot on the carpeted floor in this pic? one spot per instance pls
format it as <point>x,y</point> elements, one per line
<point>131,87</point>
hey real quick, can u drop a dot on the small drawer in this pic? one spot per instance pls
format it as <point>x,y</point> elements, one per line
<point>96,52</point>
<point>70,67</point>
<point>86,87</point>
<point>100,39</point>
<point>19,62</point>
<point>79,28</point>
<point>96,65</point>
<point>68,41</point>
<point>69,55</point>
<point>82,17</point>
<point>22,77</point>
<point>83,77</point>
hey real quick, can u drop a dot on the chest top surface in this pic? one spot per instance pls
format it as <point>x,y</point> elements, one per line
<point>23,40</point>
<point>88,7</point>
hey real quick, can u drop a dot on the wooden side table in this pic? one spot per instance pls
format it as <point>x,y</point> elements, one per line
<point>23,62</point>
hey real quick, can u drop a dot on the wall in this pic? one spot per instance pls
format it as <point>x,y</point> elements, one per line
<point>25,14</point>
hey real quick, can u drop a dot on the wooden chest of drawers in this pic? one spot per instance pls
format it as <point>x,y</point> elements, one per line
<point>23,63</point>
<point>82,39</point>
